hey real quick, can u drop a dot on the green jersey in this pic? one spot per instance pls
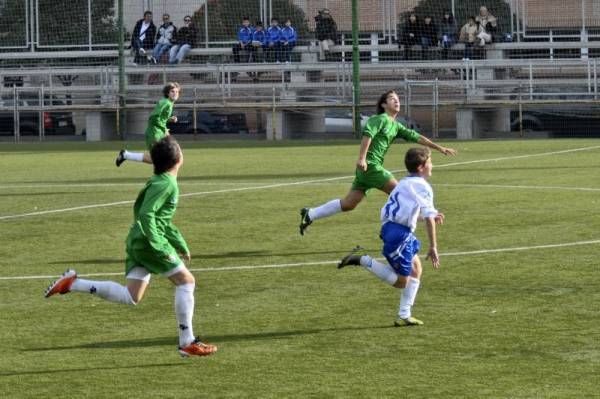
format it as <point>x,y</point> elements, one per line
<point>382,130</point>
<point>153,232</point>
<point>157,123</point>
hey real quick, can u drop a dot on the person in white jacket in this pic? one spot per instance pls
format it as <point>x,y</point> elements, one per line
<point>164,38</point>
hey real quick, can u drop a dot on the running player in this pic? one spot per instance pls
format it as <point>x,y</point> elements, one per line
<point>154,246</point>
<point>157,125</point>
<point>378,134</point>
<point>412,198</point>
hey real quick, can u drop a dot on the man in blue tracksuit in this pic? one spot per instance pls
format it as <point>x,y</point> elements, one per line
<point>273,41</point>
<point>244,43</point>
<point>287,40</point>
<point>259,42</point>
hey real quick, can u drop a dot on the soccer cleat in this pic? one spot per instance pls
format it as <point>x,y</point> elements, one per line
<point>62,285</point>
<point>351,258</point>
<point>410,321</point>
<point>197,348</point>
<point>304,220</point>
<point>120,158</point>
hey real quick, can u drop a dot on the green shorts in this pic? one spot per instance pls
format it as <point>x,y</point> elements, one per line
<point>374,177</point>
<point>153,136</point>
<point>150,262</point>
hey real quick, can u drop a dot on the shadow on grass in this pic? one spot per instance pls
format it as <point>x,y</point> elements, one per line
<point>41,194</point>
<point>56,371</point>
<point>88,261</point>
<point>217,339</point>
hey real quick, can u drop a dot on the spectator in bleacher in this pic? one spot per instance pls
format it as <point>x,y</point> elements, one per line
<point>448,31</point>
<point>326,32</point>
<point>243,45</point>
<point>142,38</point>
<point>488,24</point>
<point>468,35</point>
<point>411,35</point>
<point>288,40</point>
<point>164,39</point>
<point>185,39</point>
<point>259,43</point>
<point>429,36</point>
<point>274,42</point>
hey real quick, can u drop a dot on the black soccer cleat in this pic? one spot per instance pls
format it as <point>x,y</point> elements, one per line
<point>351,259</point>
<point>304,220</point>
<point>120,158</point>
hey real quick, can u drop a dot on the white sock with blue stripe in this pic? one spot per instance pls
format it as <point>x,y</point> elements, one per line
<point>184,311</point>
<point>133,156</point>
<point>109,290</point>
<point>383,271</point>
<point>407,297</point>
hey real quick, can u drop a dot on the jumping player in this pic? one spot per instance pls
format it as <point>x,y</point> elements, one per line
<point>157,125</point>
<point>153,246</point>
<point>378,134</point>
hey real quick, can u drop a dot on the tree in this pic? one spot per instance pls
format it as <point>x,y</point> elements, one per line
<point>224,17</point>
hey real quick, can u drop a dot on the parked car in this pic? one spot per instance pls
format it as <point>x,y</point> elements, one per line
<point>209,122</point>
<point>54,122</point>
<point>339,120</point>
<point>564,121</point>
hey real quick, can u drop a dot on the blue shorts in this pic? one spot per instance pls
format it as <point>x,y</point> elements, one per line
<point>399,247</point>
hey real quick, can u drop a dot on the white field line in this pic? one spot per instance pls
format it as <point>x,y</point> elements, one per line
<point>517,187</point>
<point>287,184</point>
<point>325,262</point>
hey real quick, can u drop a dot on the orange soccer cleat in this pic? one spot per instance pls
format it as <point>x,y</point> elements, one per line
<point>62,285</point>
<point>197,348</point>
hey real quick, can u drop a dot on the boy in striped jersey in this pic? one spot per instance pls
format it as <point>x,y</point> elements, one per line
<point>412,198</point>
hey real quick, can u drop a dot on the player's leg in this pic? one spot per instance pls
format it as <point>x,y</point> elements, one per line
<point>410,287</point>
<point>185,285</point>
<point>109,290</point>
<point>389,185</point>
<point>125,155</point>
<point>330,208</point>
<point>383,271</point>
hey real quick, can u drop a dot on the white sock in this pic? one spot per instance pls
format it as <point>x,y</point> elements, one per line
<point>327,209</point>
<point>184,311</point>
<point>108,290</point>
<point>383,271</point>
<point>134,156</point>
<point>407,297</point>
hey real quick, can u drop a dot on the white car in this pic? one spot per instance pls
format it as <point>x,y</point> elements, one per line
<point>339,120</point>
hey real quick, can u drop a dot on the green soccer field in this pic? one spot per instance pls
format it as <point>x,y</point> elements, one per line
<point>512,313</point>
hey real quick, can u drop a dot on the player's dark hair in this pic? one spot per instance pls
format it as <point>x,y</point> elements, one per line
<point>170,86</point>
<point>382,100</point>
<point>147,13</point>
<point>165,154</point>
<point>416,157</point>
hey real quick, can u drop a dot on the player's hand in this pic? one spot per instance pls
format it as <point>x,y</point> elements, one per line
<point>173,119</point>
<point>362,164</point>
<point>448,151</point>
<point>187,258</point>
<point>167,132</point>
<point>439,218</point>
<point>435,258</point>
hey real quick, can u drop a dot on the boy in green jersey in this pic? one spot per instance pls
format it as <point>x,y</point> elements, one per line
<point>378,134</point>
<point>157,125</point>
<point>153,246</point>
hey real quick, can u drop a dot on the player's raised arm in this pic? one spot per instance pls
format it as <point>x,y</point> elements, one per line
<point>428,143</point>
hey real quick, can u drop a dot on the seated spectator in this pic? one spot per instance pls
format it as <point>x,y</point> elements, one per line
<point>326,32</point>
<point>468,35</point>
<point>241,50</point>
<point>411,35</point>
<point>488,24</point>
<point>164,40</point>
<point>447,32</point>
<point>274,42</point>
<point>142,38</point>
<point>288,40</point>
<point>259,43</point>
<point>429,36</point>
<point>185,39</point>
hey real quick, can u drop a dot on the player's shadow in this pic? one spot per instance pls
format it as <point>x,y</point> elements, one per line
<point>246,254</point>
<point>62,370</point>
<point>217,339</point>
<point>87,261</point>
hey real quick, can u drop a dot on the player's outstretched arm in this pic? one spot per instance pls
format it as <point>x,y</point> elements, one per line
<point>361,163</point>
<point>432,253</point>
<point>444,150</point>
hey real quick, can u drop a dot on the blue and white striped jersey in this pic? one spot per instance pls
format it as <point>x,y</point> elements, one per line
<point>412,197</point>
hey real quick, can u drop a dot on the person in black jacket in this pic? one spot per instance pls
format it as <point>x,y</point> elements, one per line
<point>142,38</point>
<point>185,39</point>
<point>326,32</point>
<point>429,36</point>
<point>411,35</point>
